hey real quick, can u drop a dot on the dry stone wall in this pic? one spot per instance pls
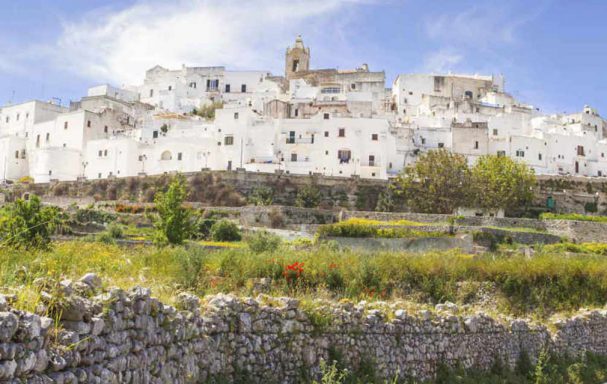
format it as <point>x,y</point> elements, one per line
<point>130,337</point>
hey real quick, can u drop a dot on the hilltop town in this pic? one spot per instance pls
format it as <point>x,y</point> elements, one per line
<point>308,121</point>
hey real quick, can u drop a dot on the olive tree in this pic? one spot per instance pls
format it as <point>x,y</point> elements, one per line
<point>438,182</point>
<point>500,182</point>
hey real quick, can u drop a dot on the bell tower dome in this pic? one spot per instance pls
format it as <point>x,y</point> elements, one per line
<point>297,59</point>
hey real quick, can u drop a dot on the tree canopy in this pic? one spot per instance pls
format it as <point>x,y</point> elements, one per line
<point>441,181</point>
<point>500,182</point>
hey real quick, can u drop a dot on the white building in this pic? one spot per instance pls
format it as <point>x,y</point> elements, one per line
<point>309,121</point>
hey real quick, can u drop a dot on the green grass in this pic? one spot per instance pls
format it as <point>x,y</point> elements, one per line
<point>572,216</point>
<point>547,283</point>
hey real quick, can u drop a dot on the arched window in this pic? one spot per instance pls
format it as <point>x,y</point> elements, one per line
<point>468,94</point>
<point>166,155</point>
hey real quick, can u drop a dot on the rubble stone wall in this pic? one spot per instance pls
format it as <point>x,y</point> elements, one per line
<point>130,337</point>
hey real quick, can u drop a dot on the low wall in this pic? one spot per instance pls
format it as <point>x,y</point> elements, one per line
<point>130,337</point>
<point>579,231</point>
<point>419,244</point>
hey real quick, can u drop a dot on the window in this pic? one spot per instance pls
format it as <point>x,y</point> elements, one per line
<point>326,116</point>
<point>179,156</point>
<point>235,115</point>
<point>17,117</point>
<point>371,160</point>
<point>100,153</point>
<point>600,174</point>
<point>155,134</point>
<point>326,152</point>
<point>23,153</point>
<point>291,138</point>
<point>166,155</point>
<point>331,90</point>
<point>344,155</point>
<point>441,145</point>
<point>48,137</point>
<point>410,93</point>
<point>326,133</point>
<point>105,129</point>
<point>193,84</point>
<point>38,141</point>
<point>374,137</point>
<point>228,140</point>
<point>293,156</point>
<point>16,154</point>
<point>8,119</point>
<point>476,145</point>
<point>539,156</point>
<point>520,153</point>
<point>494,131</point>
<point>88,124</point>
<point>468,95</point>
<point>580,150</point>
<point>353,86</point>
<point>151,93</point>
<point>105,153</point>
<point>227,88</point>
<point>170,87</point>
<point>296,112</point>
<point>65,125</point>
<point>423,140</point>
<point>342,132</point>
<point>243,88</point>
<point>295,65</point>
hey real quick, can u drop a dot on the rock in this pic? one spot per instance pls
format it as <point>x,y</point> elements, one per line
<point>3,304</point>
<point>92,280</point>
<point>9,323</point>
<point>7,369</point>
<point>187,302</point>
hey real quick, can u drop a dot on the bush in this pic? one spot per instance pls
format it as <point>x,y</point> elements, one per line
<point>261,196</point>
<point>115,231</point>
<point>263,241</point>
<point>371,228</point>
<point>225,230</point>
<point>308,197</point>
<point>27,224</point>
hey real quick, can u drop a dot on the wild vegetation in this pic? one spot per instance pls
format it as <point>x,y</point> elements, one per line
<point>572,216</point>
<point>547,283</point>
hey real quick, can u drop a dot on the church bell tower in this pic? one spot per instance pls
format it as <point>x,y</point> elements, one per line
<point>297,59</point>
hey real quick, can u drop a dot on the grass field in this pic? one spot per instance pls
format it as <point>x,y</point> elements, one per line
<point>558,278</point>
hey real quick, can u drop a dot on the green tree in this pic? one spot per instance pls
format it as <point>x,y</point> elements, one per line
<point>172,221</point>
<point>27,224</point>
<point>438,182</point>
<point>308,197</point>
<point>500,182</point>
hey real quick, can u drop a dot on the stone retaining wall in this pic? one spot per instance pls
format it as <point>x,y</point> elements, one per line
<point>130,337</point>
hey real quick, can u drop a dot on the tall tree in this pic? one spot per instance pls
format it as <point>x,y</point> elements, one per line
<point>172,223</point>
<point>500,182</point>
<point>438,182</point>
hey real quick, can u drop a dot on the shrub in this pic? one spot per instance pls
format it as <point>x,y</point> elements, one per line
<point>371,228</point>
<point>27,224</point>
<point>225,230</point>
<point>262,196</point>
<point>263,241</point>
<point>115,231</point>
<point>308,197</point>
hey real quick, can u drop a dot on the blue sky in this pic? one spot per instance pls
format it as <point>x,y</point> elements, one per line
<point>553,53</point>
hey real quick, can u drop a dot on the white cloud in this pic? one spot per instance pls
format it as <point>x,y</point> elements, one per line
<point>481,26</point>
<point>441,61</point>
<point>119,46</point>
